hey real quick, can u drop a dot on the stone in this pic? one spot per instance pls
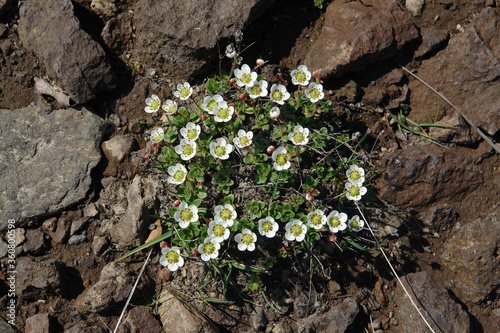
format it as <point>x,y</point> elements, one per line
<point>4,248</point>
<point>83,327</point>
<point>113,288</point>
<point>103,8</point>
<point>118,147</point>
<point>118,32</point>
<point>356,34</point>
<point>99,244</point>
<point>77,239</point>
<point>52,32</point>
<point>440,217</point>
<point>140,319</point>
<point>77,226</point>
<point>471,255</point>
<point>35,242</point>
<point>433,39</point>
<point>5,327</point>
<point>90,210</point>
<point>62,231</point>
<point>36,279</point>
<point>132,228</point>
<point>38,323</point>
<point>471,83</point>
<point>433,301</point>
<point>180,314</point>
<point>415,6</point>
<point>50,225</point>
<point>57,148</point>
<point>180,37</point>
<point>421,175</point>
<point>337,319</point>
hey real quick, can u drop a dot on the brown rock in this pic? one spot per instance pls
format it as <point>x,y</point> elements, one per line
<point>140,319</point>
<point>432,40</point>
<point>38,323</point>
<point>35,243</point>
<point>355,34</point>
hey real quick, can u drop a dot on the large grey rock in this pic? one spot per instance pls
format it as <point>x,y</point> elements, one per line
<point>355,34</point>
<point>5,327</point>
<point>472,257</point>
<point>39,323</point>
<point>46,160</point>
<point>440,311</point>
<point>38,279</point>
<point>114,286</point>
<point>52,32</point>
<point>181,36</point>
<point>467,72</point>
<point>337,319</point>
<point>132,228</point>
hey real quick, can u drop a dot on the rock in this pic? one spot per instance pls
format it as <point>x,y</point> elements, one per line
<point>4,248</point>
<point>38,323</point>
<point>440,217</point>
<point>118,147</point>
<point>5,327</point>
<point>35,243</point>
<point>355,34</point>
<point>99,244</point>
<point>337,319</point>
<point>132,227</point>
<point>52,32</point>
<point>118,32</point>
<point>140,319</point>
<point>113,288</point>
<point>90,210</point>
<point>77,239</point>
<point>20,236</point>
<point>471,255</point>
<point>50,225</point>
<point>57,149</point>
<point>433,39</point>
<point>62,231</point>
<point>77,226</point>
<point>104,8</point>
<point>471,83</point>
<point>36,279</point>
<point>82,327</point>
<point>182,36</point>
<point>439,309</point>
<point>415,6</point>
<point>185,318</point>
<point>420,175</point>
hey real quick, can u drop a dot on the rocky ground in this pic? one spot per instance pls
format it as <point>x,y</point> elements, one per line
<point>78,188</point>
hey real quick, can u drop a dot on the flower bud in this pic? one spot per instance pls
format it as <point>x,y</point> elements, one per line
<point>270,149</point>
<point>316,74</point>
<point>204,117</point>
<point>232,81</point>
<point>163,244</point>
<point>231,104</point>
<point>243,96</point>
<point>195,251</point>
<point>177,203</point>
<point>311,194</point>
<point>153,144</point>
<point>259,62</point>
<point>332,238</point>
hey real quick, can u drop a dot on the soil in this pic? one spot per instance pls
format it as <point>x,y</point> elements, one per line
<point>358,271</point>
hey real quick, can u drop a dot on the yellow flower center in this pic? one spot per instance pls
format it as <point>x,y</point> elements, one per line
<point>267,226</point>
<point>157,137</point>
<point>246,78</point>
<point>296,230</point>
<point>170,108</point>
<point>211,104</point>
<point>219,230</point>
<point>185,92</point>
<point>315,93</point>
<point>226,214</point>
<point>355,175</point>
<point>179,175</point>
<point>192,134</point>
<point>224,113</point>
<point>247,239</point>
<point>301,77</point>
<point>244,141</point>
<point>355,224</point>
<point>299,137</point>
<point>187,150</point>
<point>220,151</point>
<point>172,257</point>
<point>155,104</point>
<point>354,191</point>
<point>335,222</point>
<point>317,220</point>
<point>186,214</point>
<point>277,95</point>
<point>281,159</point>
<point>209,248</point>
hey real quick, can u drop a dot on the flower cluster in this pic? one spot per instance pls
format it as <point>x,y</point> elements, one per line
<point>354,186</point>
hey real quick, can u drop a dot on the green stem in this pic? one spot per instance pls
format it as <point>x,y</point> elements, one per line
<point>274,192</point>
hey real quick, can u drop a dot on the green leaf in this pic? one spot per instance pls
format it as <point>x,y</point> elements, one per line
<point>148,244</point>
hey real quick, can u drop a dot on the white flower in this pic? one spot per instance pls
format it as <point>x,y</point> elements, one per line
<point>191,131</point>
<point>177,174</point>
<point>281,159</point>
<point>279,94</point>
<point>356,224</point>
<point>355,174</point>
<point>186,214</point>
<point>152,104</point>
<point>301,76</point>
<point>209,249</point>
<point>355,190</point>
<point>186,148</point>
<point>218,231</point>
<point>268,227</point>
<point>220,149</point>
<point>295,230</point>
<point>257,90</point>
<point>230,51</point>
<point>314,92</point>
<point>243,139</point>
<point>274,113</point>
<point>336,221</point>
<point>210,101</point>
<point>246,240</point>
<point>245,76</point>
<point>299,136</point>
<point>223,113</point>
<point>157,135</point>
<point>316,219</point>
<point>171,257</point>
<point>225,214</point>
<point>183,91</point>
<point>170,107</point>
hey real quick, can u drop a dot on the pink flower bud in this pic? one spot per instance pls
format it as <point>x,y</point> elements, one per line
<point>243,96</point>
<point>163,244</point>
<point>231,104</point>
<point>316,74</point>
<point>232,81</point>
<point>153,144</point>
<point>333,238</point>
<point>204,117</point>
<point>177,203</point>
<point>208,222</point>
<point>270,149</point>
<point>311,194</point>
<point>259,62</point>
<point>195,251</point>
